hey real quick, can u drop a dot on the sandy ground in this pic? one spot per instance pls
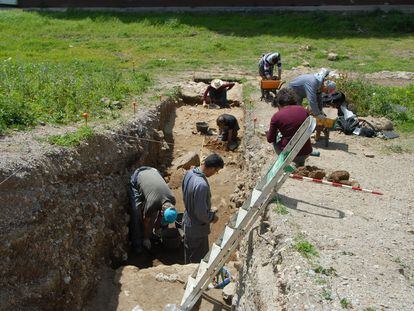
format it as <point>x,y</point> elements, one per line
<point>364,242</point>
<point>187,139</point>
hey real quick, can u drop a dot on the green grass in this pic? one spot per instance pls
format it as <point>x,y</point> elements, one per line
<point>400,262</point>
<point>60,93</point>
<point>71,139</point>
<point>326,271</point>
<point>55,65</point>
<point>345,303</point>
<point>280,208</point>
<point>395,103</point>
<point>326,294</point>
<point>305,248</point>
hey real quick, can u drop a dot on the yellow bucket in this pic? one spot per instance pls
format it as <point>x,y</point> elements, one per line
<point>328,123</point>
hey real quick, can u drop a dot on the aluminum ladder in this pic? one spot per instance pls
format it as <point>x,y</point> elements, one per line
<point>246,216</point>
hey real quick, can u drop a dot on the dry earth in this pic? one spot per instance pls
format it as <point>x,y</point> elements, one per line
<point>365,243</point>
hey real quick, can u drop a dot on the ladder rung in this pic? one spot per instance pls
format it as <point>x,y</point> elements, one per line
<point>228,232</point>
<point>240,216</point>
<point>201,269</point>
<point>191,283</point>
<point>255,195</point>
<point>215,250</point>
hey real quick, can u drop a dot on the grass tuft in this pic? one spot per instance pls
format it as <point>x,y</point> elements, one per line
<point>305,248</point>
<point>71,139</point>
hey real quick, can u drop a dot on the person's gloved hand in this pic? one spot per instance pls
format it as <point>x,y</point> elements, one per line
<point>147,243</point>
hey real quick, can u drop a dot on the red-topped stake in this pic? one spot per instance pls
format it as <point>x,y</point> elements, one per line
<point>85,116</point>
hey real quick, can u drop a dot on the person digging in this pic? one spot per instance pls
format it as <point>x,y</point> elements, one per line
<point>228,128</point>
<point>217,92</point>
<point>285,123</point>
<point>151,206</point>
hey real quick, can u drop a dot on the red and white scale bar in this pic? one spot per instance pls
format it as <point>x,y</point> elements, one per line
<point>334,184</point>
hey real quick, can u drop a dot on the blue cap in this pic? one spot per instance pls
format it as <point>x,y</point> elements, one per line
<point>170,215</point>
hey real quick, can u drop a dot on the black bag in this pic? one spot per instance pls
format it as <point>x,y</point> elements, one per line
<point>367,132</point>
<point>347,126</point>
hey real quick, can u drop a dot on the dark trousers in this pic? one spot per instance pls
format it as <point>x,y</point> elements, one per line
<point>195,249</point>
<point>137,201</point>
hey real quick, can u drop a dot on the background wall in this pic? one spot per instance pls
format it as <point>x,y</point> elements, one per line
<point>198,3</point>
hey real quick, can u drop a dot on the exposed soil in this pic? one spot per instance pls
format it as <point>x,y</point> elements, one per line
<point>364,242</point>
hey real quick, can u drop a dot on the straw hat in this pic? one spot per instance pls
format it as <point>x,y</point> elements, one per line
<point>216,83</point>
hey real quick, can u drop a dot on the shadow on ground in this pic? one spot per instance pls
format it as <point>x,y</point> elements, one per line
<point>316,25</point>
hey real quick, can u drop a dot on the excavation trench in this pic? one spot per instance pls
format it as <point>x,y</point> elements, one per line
<point>64,226</point>
<point>183,139</point>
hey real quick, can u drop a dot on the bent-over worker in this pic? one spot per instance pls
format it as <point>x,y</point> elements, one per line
<point>311,86</point>
<point>152,205</point>
<point>287,121</point>
<point>267,63</point>
<point>228,128</point>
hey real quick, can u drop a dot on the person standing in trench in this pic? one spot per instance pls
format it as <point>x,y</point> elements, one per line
<point>198,213</point>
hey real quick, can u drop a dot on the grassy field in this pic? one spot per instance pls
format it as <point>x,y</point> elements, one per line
<point>54,66</point>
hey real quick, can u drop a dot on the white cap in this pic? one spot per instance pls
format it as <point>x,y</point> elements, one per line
<point>322,74</point>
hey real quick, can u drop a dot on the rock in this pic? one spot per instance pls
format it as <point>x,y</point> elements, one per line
<point>319,174</point>
<point>235,95</point>
<point>369,155</point>
<point>192,92</point>
<point>42,123</point>
<point>380,124</point>
<point>333,56</point>
<point>306,48</point>
<point>238,265</point>
<point>305,64</point>
<point>229,291</point>
<point>117,104</point>
<point>187,160</point>
<point>338,176</point>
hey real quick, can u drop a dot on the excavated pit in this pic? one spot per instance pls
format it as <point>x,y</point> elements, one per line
<point>64,220</point>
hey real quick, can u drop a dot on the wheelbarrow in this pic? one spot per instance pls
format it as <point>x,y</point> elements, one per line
<point>269,88</point>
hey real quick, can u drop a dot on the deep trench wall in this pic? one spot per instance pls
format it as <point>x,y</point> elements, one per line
<point>65,217</point>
